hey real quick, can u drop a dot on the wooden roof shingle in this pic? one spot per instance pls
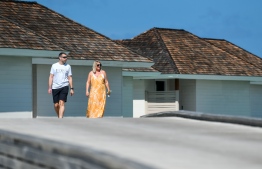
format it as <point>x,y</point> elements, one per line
<point>15,36</point>
<point>181,52</point>
<point>236,50</point>
<point>149,44</point>
<point>80,41</point>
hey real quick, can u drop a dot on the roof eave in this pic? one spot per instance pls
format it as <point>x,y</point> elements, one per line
<point>122,64</point>
<point>203,77</point>
<point>139,74</point>
<point>30,52</point>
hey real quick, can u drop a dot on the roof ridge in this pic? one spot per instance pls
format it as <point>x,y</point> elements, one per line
<point>214,39</point>
<point>156,28</point>
<point>201,53</point>
<point>141,33</point>
<point>158,36</point>
<point>229,53</point>
<point>236,55</point>
<point>122,40</point>
<point>159,28</point>
<point>199,38</point>
<point>238,47</point>
<point>20,1</point>
<point>87,28</point>
<point>34,2</point>
<point>128,48</point>
<point>92,45</point>
<point>30,30</point>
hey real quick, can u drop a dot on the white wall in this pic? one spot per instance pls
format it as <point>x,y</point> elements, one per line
<point>77,104</point>
<point>16,87</point>
<point>139,105</point>
<point>187,94</point>
<point>223,97</point>
<point>256,101</point>
<point>127,91</point>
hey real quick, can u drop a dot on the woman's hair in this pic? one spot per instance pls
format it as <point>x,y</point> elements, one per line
<point>94,65</point>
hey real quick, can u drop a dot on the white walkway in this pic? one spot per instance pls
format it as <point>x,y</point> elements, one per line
<point>164,143</point>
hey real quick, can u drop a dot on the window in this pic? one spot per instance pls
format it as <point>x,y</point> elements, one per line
<point>160,85</point>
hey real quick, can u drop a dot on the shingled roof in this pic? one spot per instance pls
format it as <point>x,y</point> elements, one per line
<point>177,51</point>
<point>236,50</point>
<point>80,41</point>
<point>15,36</point>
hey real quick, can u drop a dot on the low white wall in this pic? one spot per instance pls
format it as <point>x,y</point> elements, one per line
<point>139,105</point>
<point>20,114</point>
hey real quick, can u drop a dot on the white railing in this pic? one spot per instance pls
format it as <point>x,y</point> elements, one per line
<point>159,101</point>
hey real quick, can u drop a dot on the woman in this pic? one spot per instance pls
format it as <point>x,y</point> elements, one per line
<point>97,79</point>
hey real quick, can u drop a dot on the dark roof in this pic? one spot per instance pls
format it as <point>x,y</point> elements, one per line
<point>150,44</point>
<point>80,41</point>
<point>236,50</point>
<point>181,52</point>
<point>15,36</point>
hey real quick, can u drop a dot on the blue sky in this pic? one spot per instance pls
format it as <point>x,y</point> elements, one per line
<point>238,21</point>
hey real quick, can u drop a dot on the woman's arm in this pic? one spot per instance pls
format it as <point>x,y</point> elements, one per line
<point>106,83</point>
<point>88,84</point>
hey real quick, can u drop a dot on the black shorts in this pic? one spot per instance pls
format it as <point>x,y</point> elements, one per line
<point>60,94</point>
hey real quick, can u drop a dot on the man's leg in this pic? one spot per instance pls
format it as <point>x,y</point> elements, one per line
<point>61,109</point>
<point>56,106</point>
<point>55,93</point>
<point>62,99</point>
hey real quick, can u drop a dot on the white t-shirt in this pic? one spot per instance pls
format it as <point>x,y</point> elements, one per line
<point>61,73</point>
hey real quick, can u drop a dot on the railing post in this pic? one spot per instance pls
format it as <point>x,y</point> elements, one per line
<point>146,102</point>
<point>177,100</point>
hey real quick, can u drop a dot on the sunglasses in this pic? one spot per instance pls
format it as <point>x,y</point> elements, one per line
<point>98,65</point>
<point>65,57</point>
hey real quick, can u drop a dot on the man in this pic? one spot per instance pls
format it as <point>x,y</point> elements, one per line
<point>60,80</point>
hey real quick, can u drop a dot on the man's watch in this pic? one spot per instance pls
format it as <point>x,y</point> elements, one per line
<point>72,88</point>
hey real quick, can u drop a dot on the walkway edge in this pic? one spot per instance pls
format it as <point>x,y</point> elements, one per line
<point>208,117</point>
<point>29,152</point>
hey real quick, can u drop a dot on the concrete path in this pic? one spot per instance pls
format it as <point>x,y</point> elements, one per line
<point>164,143</point>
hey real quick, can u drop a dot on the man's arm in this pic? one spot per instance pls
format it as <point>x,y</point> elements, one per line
<point>70,80</point>
<point>50,82</point>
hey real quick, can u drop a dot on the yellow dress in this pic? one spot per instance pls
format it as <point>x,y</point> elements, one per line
<point>97,97</point>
